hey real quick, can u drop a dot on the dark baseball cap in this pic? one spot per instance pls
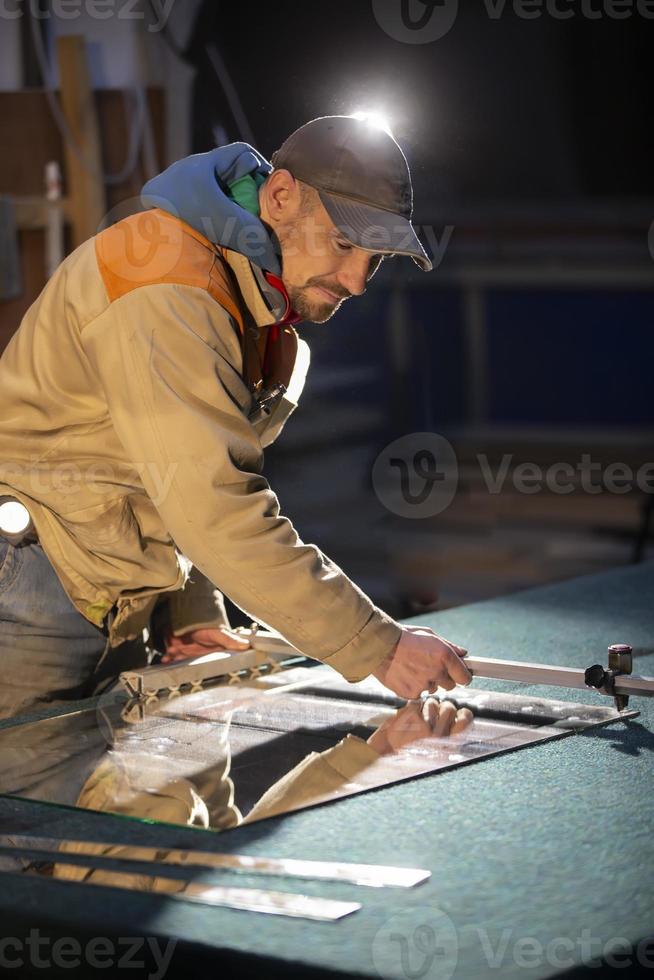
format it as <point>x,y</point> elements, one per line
<point>363,180</point>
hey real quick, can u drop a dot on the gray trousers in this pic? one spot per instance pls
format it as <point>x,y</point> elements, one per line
<point>49,653</point>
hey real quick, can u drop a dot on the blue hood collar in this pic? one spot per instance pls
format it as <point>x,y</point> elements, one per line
<point>196,189</point>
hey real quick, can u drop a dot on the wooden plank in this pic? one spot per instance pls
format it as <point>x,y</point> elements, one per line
<point>27,127</point>
<point>32,212</point>
<point>29,130</point>
<point>84,183</point>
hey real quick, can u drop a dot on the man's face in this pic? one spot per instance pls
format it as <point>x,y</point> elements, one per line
<point>320,268</point>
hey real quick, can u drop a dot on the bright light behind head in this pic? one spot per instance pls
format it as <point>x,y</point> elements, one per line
<point>375,119</point>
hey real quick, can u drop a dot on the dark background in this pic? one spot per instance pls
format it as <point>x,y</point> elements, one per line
<point>506,108</point>
<point>533,140</point>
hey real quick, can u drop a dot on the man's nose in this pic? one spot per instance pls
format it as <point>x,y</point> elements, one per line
<point>354,274</point>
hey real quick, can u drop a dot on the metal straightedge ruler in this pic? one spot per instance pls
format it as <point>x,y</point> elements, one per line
<point>266,655</point>
<point>269,650</point>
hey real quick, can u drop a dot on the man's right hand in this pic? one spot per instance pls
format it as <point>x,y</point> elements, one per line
<point>419,720</point>
<point>423,661</point>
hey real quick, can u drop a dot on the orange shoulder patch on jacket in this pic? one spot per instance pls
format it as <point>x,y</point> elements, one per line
<point>154,247</point>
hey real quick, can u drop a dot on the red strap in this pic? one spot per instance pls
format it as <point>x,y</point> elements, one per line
<point>290,316</point>
<point>272,338</point>
<point>288,319</point>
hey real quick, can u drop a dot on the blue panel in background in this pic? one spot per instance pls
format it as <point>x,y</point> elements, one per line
<point>438,358</point>
<point>554,358</point>
<point>355,335</point>
<point>571,357</point>
<point>433,392</point>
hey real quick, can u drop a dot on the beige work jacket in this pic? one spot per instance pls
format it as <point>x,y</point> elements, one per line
<point>125,399</point>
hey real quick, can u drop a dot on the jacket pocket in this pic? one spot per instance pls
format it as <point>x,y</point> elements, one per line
<point>102,524</point>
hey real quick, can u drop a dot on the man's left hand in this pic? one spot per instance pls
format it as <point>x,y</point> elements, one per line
<point>197,642</point>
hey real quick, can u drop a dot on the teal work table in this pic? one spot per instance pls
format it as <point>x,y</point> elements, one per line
<point>541,859</point>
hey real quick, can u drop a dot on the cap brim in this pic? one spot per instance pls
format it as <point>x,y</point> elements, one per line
<point>374,229</point>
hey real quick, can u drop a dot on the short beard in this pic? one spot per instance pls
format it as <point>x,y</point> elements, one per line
<point>308,309</point>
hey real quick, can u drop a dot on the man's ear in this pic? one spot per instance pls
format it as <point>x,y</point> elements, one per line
<point>279,197</point>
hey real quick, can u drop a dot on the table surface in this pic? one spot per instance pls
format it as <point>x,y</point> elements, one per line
<point>541,859</point>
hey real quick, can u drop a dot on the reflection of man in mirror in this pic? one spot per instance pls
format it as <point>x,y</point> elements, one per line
<point>138,395</point>
<point>92,761</point>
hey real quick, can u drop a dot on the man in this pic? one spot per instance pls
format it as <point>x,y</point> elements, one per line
<point>135,402</point>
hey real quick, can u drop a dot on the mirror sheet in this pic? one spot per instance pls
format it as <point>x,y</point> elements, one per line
<point>235,753</point>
